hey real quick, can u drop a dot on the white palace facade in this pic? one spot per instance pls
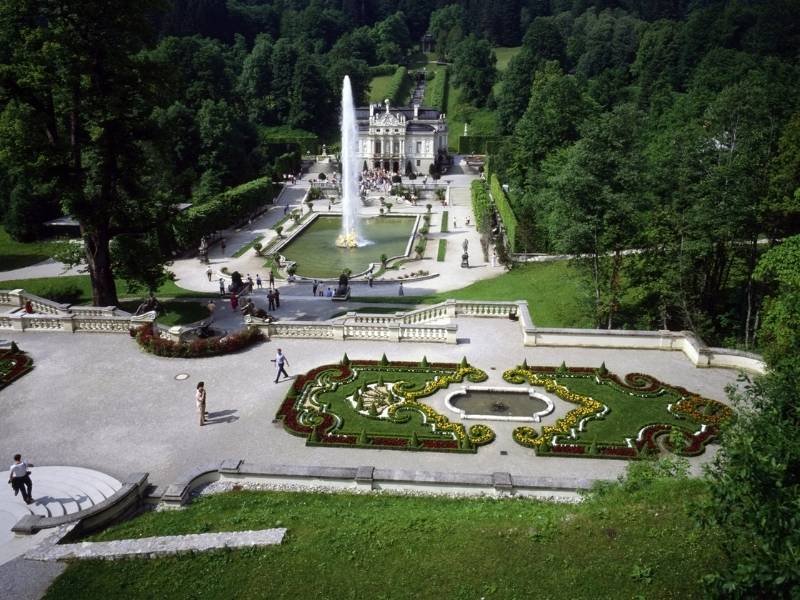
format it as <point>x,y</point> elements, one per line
<point>395,139</point>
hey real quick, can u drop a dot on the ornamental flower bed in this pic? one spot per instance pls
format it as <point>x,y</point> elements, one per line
<point>148,341</point>
<point>589,429</point>
<point>13,364</point>
<point>325,406</point>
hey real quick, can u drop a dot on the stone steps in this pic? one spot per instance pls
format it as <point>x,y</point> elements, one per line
<point>57,491</point>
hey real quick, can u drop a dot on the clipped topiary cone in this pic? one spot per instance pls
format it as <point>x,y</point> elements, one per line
<point>384,360</point>
<point>363,440</point>
<point>524,363</point>
<point>464,362</point>
<point>414,441</point>
<point>424,362</point>
<point>345,360</point>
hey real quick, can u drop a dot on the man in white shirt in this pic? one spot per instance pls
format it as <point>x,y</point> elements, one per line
<point>20,479</point>
<point>280,360</point>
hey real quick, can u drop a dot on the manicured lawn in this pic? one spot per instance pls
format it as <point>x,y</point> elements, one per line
<point>442,250</point>
<point>556,293</point>
<point>481,121</point>
<point>175,312</point>
<point>621,545</point>
<point>16,255</point>
<point>77,289</point>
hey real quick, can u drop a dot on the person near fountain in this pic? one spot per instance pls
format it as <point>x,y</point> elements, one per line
<point>370,277</point>
<point>400,291</point>
<point>270,300</point>
<point>222,246</point>
<point>209,272</point>
<point>280,361</point>
<point>258,280</point>
<point>314,287</point>
<point>271,279</point>
<point>277,298</point>
<point>221,286</point>
<point>200,400</point>
<point>211,306</point>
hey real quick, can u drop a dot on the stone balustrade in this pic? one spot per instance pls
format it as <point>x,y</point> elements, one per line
<point>385,331</point>
<point>53,316</point>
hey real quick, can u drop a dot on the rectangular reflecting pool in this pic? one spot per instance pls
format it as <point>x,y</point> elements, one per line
<point>316,254</point>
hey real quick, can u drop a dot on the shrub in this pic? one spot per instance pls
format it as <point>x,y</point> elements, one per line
<point>398,89</point>
<point>233,342</point>
<point>322,177</point>
<point>442,250</point>
<point>439,89</point>
<point>506,213</point>
<point>481,206</point>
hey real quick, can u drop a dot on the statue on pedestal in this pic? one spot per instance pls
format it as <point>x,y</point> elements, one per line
<point>465,256</point>
<point>202,251</point>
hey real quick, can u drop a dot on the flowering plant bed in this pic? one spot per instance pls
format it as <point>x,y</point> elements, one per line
<point>214,346</point>
<point>13,364</point>
<point>375,404</point>
<point>619,418</point>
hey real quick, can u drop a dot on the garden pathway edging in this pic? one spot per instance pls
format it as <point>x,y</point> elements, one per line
<point>152,547</point>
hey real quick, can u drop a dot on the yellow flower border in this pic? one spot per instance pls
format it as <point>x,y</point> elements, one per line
<point>587,406</point>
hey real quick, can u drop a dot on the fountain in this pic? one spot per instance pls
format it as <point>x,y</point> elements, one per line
<point>351,232</point>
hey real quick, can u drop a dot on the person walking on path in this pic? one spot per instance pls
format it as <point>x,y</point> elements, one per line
<point>221,286</point>
<point>258,280</point>
<point>270,300</point>
<point>209,272</point>
<point>280,360</point>
<point>400,291</point>
<point>200,400</point>
<point>222,246</point>
<point>271,279</point>
<point>370,278</point>
<point>277,298</point>
<point>314,287</point>
<point>19,477</point>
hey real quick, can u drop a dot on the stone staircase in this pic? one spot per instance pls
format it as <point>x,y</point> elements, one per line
<point>57,491</point>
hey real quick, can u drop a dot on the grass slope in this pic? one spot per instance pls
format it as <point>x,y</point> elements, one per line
<point>620,545</point>
<point>16,255</point>
<point>77,289</point>
<point>556,293</point>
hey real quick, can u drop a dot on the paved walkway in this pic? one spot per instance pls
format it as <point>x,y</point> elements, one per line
<point>167,545</point>
<point>120,410</point>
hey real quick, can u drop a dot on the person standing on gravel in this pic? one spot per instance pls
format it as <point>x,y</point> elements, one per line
<point>200,400</point>
<point>19,477</point>
<point>280,360</point>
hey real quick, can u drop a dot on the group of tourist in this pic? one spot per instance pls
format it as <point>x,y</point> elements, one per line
<point>379,180</point>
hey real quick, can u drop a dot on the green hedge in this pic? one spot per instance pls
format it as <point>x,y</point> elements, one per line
<point>442,249</point>
<point>223,210</point>
<point>382,70</point>
<point>399,87</point>
<point>439,87</point>
<point>506,212</point>
<point>444,227</point>
<point>477,144</point>
<point>481,206</point>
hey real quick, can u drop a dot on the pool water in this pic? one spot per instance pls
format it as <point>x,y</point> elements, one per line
<point>317,255</point>
<point>501,404</point>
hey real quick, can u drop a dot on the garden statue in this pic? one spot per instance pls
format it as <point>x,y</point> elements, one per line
<point>203,250</point>
<point>465,256</point>
<point>342,291</point>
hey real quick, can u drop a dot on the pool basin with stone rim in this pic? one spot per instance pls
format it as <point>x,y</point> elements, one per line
<point>315,252</point>
<point>520,405</point>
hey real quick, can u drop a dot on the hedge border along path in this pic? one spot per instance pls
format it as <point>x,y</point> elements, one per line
<point>321,407</point>
<point>700,418</point>
<point>13,364</point>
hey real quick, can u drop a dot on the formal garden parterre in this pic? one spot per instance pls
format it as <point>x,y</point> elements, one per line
<point>625,418</point>
<point>13,364</point>
<point>376,404</point>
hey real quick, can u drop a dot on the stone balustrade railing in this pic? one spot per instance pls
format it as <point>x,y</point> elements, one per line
<point>344,330</point>
<point>52,316</point>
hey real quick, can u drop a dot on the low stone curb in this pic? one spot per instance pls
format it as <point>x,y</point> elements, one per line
<point>152,547</point>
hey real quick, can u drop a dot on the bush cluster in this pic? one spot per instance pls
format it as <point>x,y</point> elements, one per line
<point>233,342</point>
<point>505,211</point>
<point>223,210</point>
<point>439,87</point>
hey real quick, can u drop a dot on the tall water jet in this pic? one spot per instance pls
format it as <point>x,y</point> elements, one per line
<point>351,232</point>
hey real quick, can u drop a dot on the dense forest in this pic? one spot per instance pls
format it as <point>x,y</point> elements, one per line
<point>658,142</point>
